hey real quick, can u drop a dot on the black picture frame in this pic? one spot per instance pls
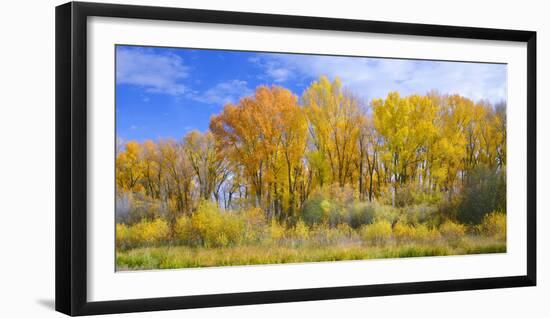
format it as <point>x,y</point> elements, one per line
<point>71,157</point>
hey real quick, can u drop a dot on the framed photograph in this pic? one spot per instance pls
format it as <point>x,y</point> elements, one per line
<point>209,158</point>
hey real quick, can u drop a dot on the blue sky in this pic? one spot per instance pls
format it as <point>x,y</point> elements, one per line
<point>167,92</point>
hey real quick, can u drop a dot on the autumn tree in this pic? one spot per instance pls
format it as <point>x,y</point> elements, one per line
<point>406,125</point>
<point>129,168</point>
<point>369,145</point>
<point>265,136</point>
<point>334,124</point>
<point>178,177</point>
<point>152,169</point>
<point>211,168</point>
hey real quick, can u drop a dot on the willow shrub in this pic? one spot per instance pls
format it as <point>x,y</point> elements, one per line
<point>212,228</point>
<point>385,212</point>
<point>361,213</point>
<point>276,232</point>
<point>135,207</point>
<point>329,204</point>
<point>122,235</point>
<point>420,233</point>
<point>316,210</point>
<point>255,225</point>
<point>484,191</point>
<point>426,234</point>
<point>452,230</point>
<point>183,231</point>
<point>376,233</point>
<point>323,234</point>
<point>333,207</point>
<point>300,232</point>
<point>403,232</point>
<point>421,213</point>
<point>494,225</point>
<point>144,233</point>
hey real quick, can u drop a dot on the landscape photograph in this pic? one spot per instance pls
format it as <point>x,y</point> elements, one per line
<point>238,158</point>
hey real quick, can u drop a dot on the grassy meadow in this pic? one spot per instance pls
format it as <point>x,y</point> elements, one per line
<point>187,257</point>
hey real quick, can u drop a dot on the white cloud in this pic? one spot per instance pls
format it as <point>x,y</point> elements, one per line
<point>375,77</point>
<point>223,92</point>
<point>156,73</point>
<point>274,70</point>
<point>165,72</point>
<point>278,74</point>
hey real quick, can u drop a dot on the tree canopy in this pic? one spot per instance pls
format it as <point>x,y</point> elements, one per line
<point>273,149</point>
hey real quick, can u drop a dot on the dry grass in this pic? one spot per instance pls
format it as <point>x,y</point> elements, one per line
<point>170,257</point>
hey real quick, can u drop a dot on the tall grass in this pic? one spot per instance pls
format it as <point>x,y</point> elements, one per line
<point>185,257</point>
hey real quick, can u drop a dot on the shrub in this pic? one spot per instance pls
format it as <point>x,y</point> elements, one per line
<point>342,196</point>
<point>418,233</point>
<point>344,230</point>
<point>122,207</point>
<point>134,207</point>
<point>232,230</point>
<point>211,228</point>
<point>484,191</point>
<point>300,231</point>
<point>494,225</point>
<point>276,231</point>
<point>144,233</point>
<point>376,233</point>
<point>183,231</point>
<point>404,196</point>
<point>322,234</point>
<point>122,235</point>
<point>403,232</point>
<point>422,197</point>
<point>254,216</point>
<point>320,210</point>
<point>385,212</point>
<point>337,205</point>
<point>156,231</point>
<point>423,233</point>
<point>206,224</point>
<point>328,205</point>
<point>361,213</point>
<point>448,209</point>
<point>316,210</point>
<point>421,213</point>
<point>255,224</point>
<point>337,215</point>
<point>409,195</point>
<point>452,230</point>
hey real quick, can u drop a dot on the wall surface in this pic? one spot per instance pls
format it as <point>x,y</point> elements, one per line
<point>27,158</point>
